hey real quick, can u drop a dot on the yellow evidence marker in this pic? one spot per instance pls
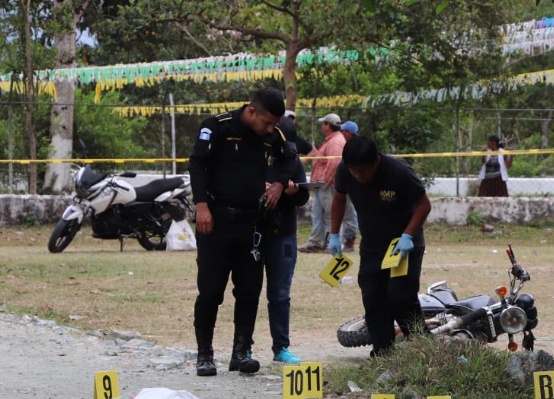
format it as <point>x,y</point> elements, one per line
<point>303,381</point>
<point>391,260</point>
<point>544,384</point>
<point>381,396</point>
<point>397,263</point>
<point>335,270</point>
<point>401,269</point>
<point>106,385</point>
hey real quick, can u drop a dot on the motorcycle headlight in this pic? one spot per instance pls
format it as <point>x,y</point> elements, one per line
<point>513,320</point>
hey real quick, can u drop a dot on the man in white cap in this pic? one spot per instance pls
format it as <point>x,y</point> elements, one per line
<point>291,115</point>
<point>324,170</point>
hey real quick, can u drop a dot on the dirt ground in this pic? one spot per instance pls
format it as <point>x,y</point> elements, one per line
<point>50,362</point>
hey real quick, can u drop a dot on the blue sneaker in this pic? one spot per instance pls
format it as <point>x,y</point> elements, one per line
<point>286,357</point>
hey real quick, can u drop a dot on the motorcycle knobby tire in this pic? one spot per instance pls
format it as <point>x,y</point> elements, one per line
<point>354,333</point>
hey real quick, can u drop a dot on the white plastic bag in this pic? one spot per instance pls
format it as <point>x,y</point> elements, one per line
<point>164,393</point>
<point>180,237</point>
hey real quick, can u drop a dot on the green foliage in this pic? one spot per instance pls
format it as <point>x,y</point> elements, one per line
<point>31,221</point>
<point>17,122</point>
<point>428,47</point>
<point>475,219</point>
<point>106,134</point>
<point>409,132</point>
<point>430,366</point>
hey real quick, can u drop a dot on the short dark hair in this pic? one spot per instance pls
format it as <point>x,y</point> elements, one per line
<point>494,138</point>
<point>360,150</point>
<point>334,128</point>
<point>269,100</point>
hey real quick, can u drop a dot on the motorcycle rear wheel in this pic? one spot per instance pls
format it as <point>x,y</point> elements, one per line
<point>154,240</point>
<point>354,333</point>
<point>63,234</point>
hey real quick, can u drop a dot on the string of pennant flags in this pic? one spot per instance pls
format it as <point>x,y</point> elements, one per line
<point>217,108</point>
<point>242,66</point>
<point>529,38</point>
<point>474,91</point>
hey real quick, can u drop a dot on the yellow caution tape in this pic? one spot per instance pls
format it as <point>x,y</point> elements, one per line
<point>181,160</point>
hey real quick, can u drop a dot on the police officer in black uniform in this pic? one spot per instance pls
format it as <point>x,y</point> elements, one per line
<point>391,202</point>
<point>228,169</point>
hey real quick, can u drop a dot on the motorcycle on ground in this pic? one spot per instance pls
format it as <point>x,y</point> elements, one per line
<point>481,317</point>
<point>118,210</point>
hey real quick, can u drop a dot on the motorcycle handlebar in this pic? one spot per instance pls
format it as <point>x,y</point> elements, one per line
<point>517,270</point>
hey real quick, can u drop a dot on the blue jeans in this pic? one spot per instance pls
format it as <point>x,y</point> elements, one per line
<point>349,227</point>
<point>321,216</point>
<point>280,261</point>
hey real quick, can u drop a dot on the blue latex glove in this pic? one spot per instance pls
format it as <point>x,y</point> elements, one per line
<point>334,246</point>
<point>404,245</point>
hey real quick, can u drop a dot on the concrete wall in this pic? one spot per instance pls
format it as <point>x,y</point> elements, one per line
<point>25,209</point>
<point>45,209</point>
<point>468,186</point>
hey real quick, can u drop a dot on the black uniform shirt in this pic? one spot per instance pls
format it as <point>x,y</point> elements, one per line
<point>229,162</point>
<point>384,205</point>
<point>303,146</point>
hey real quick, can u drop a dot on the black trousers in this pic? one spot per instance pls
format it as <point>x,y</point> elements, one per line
<point>223,253</point>
<point>387,299</point>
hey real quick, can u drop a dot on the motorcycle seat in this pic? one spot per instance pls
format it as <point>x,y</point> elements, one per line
<point>151,190</point>
<point>472,303</point>
<point>444,295</point>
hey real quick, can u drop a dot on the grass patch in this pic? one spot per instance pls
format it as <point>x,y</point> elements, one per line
<point>92,285</point>
<point>429,366</point>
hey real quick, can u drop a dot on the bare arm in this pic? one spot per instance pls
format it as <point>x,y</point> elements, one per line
<point>312,153</point>
<point>422,208</point>
<point>508,161</point>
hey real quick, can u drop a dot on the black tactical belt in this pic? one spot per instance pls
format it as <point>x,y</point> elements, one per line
<point>247,215</point>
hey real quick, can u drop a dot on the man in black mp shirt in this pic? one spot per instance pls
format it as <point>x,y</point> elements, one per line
<point>391,203</point>
<point>228,170</point>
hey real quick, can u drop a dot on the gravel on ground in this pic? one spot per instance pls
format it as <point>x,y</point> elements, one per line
<point>41,360</point>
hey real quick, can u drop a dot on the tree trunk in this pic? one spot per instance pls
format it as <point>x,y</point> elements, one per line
<point>30,97</point>
<point>293,47</point>
<point>58,177</point>
<point>289,77</point>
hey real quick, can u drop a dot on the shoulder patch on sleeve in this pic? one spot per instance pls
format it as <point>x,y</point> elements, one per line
<point>205,134</point>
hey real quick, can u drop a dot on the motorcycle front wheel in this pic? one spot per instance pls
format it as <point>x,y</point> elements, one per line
<point>63,234</point>
<point>354,333</point>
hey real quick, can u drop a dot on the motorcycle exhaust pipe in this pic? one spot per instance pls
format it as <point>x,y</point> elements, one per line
<point>460,321</point>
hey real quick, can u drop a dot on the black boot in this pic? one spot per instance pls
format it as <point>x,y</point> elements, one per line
<point>241,360</point>
<point>205,361</point>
